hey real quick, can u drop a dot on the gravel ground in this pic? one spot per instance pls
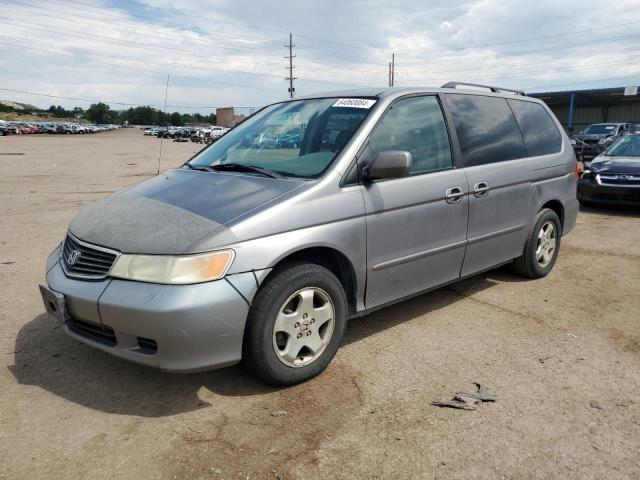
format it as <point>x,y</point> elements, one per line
<point>551,349</point>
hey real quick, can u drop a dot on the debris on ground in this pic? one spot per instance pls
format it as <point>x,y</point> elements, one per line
<point>279,413</point>
<point>596,404</point>
<point>467,401</point>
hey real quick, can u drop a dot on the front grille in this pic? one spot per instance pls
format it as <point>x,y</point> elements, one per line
<point>620,179</point>
<point>93,331</point>
<point>86,261</point>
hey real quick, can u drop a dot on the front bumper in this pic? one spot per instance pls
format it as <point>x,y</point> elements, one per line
<point>171,327</point>
<point>591,191</point>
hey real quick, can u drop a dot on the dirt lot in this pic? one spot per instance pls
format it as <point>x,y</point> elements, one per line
<point>548,348</point>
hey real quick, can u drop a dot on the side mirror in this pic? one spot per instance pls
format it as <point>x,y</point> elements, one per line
<point>388,164</point>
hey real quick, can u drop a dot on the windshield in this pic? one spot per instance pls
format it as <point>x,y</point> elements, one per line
<point>628,146</point>
<point>600,129</point>
<point>299,138</point>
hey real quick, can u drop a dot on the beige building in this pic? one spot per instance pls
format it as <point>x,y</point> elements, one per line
<point>227,118</point>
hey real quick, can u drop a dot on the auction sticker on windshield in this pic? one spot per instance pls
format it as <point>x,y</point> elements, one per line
<point>354,103</point>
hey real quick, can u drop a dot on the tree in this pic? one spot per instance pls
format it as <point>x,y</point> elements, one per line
<point>99,113</point>
<point>176,119</point>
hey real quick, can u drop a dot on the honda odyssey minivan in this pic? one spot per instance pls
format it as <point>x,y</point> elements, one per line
<point>262,252</point>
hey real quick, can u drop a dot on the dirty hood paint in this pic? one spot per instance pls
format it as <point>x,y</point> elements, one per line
<point>168,213</point>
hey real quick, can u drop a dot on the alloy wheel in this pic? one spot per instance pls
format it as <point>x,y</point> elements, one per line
<point>304,327</point>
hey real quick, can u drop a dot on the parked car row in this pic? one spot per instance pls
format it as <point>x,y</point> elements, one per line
<point>195,134</point>
<point>274,138</point>
<point>28,128</point>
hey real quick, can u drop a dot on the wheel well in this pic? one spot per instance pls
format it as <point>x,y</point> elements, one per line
<point>334,261</point>
<point>557,207</point>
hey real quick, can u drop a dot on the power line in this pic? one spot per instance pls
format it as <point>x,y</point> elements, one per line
<point>595,80</point>
<point>539,50</point>
<point>155,72</point>
<point>562,70</point>
<point>128,43</point>
<point>127,31</point>
<point>113,102</point>
<point>21,43</point>
<point>190,27</point>
<point>238,24</point>
<point>527,40</point>
<point>134,59</point>
<point>149,32</point>
<point>510,64</point>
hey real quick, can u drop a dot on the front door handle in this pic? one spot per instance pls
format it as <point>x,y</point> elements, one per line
<point>453,195</point>
<point>481,189</point>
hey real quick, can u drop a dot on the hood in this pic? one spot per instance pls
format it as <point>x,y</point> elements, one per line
<point>615,165</point>
<point>591,136</point>
<point>168,213</point>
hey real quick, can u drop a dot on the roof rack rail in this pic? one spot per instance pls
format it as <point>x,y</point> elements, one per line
<point>493,89</point>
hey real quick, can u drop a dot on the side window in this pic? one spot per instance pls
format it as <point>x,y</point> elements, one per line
<point>486,128</point>
<point>541,136</point>
<point>416,125</point>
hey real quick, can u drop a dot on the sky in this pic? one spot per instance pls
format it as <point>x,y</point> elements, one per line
<point>220,53</point>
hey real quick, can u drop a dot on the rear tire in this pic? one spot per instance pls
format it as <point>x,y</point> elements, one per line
<point>542,246</point>
<point>296,324</point>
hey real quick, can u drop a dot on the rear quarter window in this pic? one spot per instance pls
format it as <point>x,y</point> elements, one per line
<point>541,136</point>
<point>486,128</point>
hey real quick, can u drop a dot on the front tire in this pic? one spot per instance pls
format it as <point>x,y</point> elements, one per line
<point>295,325</point>
<point>542,246</point>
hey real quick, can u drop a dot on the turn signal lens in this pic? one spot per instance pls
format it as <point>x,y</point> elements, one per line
<point>173,269</point>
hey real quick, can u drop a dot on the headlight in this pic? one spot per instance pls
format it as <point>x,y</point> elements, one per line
<point>173,269</point>
<point>573,141</point>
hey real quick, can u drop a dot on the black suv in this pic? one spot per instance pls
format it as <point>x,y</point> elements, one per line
<point>596,138</point>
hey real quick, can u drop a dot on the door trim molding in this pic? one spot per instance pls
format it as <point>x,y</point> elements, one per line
<point>417,256</point>
<point>498,233</point>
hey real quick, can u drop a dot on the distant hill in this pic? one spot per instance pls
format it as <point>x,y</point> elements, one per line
<point>18,105</point>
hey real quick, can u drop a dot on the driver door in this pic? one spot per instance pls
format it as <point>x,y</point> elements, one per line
<point>416,225</point>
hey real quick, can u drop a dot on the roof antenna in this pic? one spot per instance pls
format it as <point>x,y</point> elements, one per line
<point>166,90</point>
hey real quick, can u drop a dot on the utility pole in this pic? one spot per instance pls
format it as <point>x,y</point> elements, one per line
<point>166,91</point>
<point>389,73</point>
<point>393,69</point>
<point>291,56</point>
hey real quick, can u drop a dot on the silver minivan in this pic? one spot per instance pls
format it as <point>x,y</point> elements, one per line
<point>260,250</point>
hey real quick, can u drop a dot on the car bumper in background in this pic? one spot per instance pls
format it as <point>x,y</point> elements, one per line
<point>588,151</point>
<point>171,327</point>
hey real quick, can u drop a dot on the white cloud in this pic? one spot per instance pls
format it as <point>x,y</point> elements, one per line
<point>223,53</point>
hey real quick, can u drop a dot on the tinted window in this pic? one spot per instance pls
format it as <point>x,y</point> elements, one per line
<point>541,136</point>
<point>415,125</point>
<point>486,128</point>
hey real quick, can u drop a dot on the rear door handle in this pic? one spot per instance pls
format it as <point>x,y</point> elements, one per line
<point>453,195</point>
<point>481,189</point>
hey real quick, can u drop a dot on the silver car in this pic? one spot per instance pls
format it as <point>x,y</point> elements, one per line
<point>262,254</point>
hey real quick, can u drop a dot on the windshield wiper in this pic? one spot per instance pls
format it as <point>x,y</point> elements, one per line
<point>202,169</point>
<point>238,167</point>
